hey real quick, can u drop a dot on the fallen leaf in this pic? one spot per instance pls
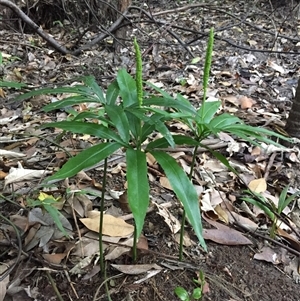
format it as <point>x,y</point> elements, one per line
<point>54,258</point>
<point>267,254</point>
<point>172,222</point>
<point>112,226</point>
<point>136,269</point>
<point>258,185</point>
<point>224,235</point>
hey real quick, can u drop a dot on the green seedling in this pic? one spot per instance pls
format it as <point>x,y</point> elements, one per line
<point>47,203</point>
<point>270,209</point>
<point>197,293</point>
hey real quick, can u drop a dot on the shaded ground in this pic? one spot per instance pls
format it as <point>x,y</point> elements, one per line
<point>230,271</point>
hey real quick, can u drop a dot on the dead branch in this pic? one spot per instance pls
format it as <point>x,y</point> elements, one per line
<point>34,26</point>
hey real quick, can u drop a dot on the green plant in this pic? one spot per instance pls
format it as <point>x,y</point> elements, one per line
<point>197,293</point>
<point>130,118</point>
<point>47,202</point>
<point>205,122</point>
<point>270,209</point>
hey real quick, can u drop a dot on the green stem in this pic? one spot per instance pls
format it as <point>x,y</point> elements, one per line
<point>134,247</point>
<point>181,236</point>
<point>102,266</point>
<point>54,286</point>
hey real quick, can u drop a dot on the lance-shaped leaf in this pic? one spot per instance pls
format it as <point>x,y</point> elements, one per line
<point>112,93</point>
<point>138,186</point>
<point>207,112</point>
<point>93,129</point>
<point>184,190</point>
<point>90,81</point>
<point>86,159</point>
<point>127,87</point>
<point>120,121</point>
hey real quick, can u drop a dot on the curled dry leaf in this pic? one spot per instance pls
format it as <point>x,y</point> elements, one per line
<point>169,218</point>
<point>20,174</point>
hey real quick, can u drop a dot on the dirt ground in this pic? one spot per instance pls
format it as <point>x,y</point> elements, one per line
<point>231,272</point>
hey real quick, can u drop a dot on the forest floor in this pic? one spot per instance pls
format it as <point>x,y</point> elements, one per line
<point>256,85</point>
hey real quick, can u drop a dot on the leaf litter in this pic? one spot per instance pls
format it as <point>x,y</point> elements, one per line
<point>253,86</point>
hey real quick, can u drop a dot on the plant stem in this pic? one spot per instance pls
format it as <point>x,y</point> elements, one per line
<point>102,266</point>
<point>134,246</point>
<point>60,298</point>
<point>181,236</point>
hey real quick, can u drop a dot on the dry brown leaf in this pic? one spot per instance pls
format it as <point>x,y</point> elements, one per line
<point>112,226</point>
<point>164,182</point>
<point>243,221</point>
<point>187,241</point>
<point>135,269</point>
<point>267,254</point>
<point>224,235</point>
<point>54,258</point>
<point>246,102</point>
<point>170,219</point>
<point>222,214</point>
<point>294,242</point>
<point>4,282</point>
<point>258,185</point>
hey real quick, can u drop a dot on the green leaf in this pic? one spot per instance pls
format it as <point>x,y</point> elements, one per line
<point>206,112</point>
<point>195,60</point>
<point>147,129</point>
<point>12,85</point>
<point>221,158</point>
<point>224,121</point>
<point>80,127</point>
<point>67,102</point>
<point>119,120</point>
<point>178,139</point>
<point>257,132</point>
<point>182,106</point>
<point>91,82</point>
<point>161,91</point>
<point>197,293</point>
<point>85,159</point>
<point>134,125</point>
<point>162,128</point>
<point>93,114</point>
<point>127,87</point>
<point>284,201</point>
<point>181,293</point>
<point>112,93</point>
<point>184,190</point>
<point>260,203</point>
<point>56,215</point>
<point>79,89</point>
<point>138,186</point>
